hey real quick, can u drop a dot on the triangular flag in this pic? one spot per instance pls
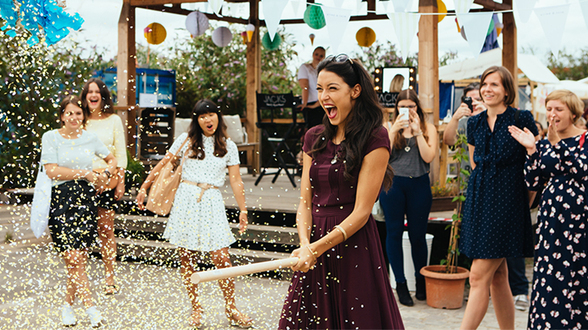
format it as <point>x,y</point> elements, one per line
<point>584,5</point>
<point>405,27</point>
<point>336,19</point>
<point>462,7</point>
<point>272,13</point>
<point>382,6</point>
<point>295,7</point>
<point>553,21</point>
<point>338,3</point>
<point>476,27</point>
<point>400,6</point>
<point>216,5</point>
<point>523,9</point>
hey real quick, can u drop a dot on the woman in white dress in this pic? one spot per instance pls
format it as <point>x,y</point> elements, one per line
<point>198,220</point>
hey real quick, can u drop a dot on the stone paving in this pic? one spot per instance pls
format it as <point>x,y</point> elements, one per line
<point>32,279</point>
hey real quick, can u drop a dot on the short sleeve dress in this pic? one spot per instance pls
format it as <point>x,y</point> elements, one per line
<point>560,279</point>
<point>201,226</point>
<point>349,288</point>
<point>496,220</point>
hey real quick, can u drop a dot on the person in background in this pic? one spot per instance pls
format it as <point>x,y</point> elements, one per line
<point>339,280</point>
<point>496,221</point>
<point>198,220</point>
<point>559,299</point>
<point>518,282</point>
<point>414,146</point>
<point>541,130</point>
<point>313,114</point>
<point>397,83</point>
<point>108,127</point>
<point>67,155</point>
<point>581,123</point>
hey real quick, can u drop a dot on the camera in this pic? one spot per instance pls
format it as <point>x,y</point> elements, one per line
<point>468,100</point>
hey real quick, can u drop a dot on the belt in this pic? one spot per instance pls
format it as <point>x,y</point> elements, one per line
<point>203,186</point>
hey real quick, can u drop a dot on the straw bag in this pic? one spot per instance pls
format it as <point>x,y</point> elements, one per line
<point>163,190</point>
<point>41,203</point>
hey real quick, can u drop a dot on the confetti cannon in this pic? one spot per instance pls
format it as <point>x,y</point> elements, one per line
<point>219,274</point>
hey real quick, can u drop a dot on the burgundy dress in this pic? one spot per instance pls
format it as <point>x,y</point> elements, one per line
<point>349,288</point>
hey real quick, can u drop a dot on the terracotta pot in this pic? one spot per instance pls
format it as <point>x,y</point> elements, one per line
<point>444,290</point>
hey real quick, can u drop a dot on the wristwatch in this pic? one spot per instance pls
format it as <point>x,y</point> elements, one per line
<point>107,172</point>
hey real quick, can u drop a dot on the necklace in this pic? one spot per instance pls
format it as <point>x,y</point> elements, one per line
<point>407,148</point>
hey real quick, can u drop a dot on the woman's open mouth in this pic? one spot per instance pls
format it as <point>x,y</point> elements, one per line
<point>331,111</point>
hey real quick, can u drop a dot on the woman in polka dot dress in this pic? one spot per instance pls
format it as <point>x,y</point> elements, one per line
<point>560,282</point>
<point>496,220</point>
<point>198,220</point>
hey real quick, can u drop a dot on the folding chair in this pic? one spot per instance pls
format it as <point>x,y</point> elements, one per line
<point>282,154</point>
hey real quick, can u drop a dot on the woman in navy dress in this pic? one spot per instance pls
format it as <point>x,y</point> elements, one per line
<point>496,221</point>
<point>340,281</point>
<point>559,299</point>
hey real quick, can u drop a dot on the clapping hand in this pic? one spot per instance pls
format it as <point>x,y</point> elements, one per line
<point>525,138</point>
<point>552,134</point>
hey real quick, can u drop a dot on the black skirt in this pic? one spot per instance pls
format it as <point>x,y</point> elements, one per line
<point>106,200</point>
<point>73,215</point>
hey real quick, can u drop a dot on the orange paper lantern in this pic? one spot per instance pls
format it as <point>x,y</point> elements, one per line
<point>365,37</point>
<point>155,33</point>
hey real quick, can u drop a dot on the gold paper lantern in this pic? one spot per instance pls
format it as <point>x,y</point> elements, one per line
<point>155,33</point>
<point>365,37</point>
<point>441,9</point>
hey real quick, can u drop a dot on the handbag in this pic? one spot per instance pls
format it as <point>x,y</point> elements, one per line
<point>41,203</point>
<point>378,212</point>
<point>163,190</point>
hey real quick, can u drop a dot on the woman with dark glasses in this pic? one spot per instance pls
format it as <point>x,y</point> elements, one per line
<point>340,281</point>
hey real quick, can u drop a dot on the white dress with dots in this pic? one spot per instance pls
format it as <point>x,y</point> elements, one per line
<point>201,226</point>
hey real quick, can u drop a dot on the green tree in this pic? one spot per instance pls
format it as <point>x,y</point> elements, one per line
<point>383,55</point>
<point>34,79</point>
<point>569,67</point>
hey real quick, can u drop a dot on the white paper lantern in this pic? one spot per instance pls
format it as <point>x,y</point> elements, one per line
<point>196,23</point>
<point>222,36</point>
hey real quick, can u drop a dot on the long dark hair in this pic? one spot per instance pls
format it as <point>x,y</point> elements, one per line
<point>106,104</point>
<point>195,132</point>
<point>409,94</point>
<point>365,117</point>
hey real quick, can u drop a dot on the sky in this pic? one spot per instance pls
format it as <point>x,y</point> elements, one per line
<point>101,17</point>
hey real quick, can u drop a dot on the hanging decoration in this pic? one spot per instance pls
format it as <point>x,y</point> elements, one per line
<point>216,6</point>
<point>155,33</point>
<point>314,17</point>
<point>441,9</point>
<point>244,36</point>
<point>365,37</point>
<point>272,11</point>
<point>311,36</point>
<point>222,36</point>
<point>196,23</point>
<point>43,19</point>
<point>336,20</point>
<point>250,30</point>
<point>271,44</point>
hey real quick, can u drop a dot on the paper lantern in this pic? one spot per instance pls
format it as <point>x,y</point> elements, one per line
<point>155,33</point>
<point>311,36</point>
<point>269,44</point>
<point>244,36</point>
<point>196,23</point>
<point>222,36</point>
<point>314,17</point>
<point>250,29</point>
<point>441,9</point>
<point>365,37</point>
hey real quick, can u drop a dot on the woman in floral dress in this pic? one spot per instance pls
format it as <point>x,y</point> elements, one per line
<point>560,281</point>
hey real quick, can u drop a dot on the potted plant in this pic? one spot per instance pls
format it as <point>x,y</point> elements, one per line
<point>444,196</point>
<point>445,283</point>
<point>134,174</point>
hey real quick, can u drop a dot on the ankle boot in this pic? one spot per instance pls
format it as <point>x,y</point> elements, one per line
<point>421,289</point>
<point>403,294</point>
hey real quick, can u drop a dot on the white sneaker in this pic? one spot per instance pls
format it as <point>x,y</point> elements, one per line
<point>95,317</point>
<point>68,316</point>
<point>521,302</point>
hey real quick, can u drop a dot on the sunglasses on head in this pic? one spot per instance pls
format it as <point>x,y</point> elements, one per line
<point>339,59</point>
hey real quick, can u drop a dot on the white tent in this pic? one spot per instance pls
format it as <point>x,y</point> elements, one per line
<point>530,65</point>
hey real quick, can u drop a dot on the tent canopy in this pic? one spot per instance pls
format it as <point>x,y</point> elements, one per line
<point>471,68</point>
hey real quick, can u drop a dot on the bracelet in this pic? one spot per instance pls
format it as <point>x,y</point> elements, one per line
<point>244,212</point>
<point>107,172</point>
<point>313,253</point>
<point>420,133</point>
<point>342,232</point>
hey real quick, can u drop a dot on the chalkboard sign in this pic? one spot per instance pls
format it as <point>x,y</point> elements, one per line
<point>387,100</point>
<point>275,100</point>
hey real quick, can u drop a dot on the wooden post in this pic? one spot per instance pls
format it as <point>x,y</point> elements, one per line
<point>429,69</point>
<point>509,47</point>
<point>253,73</point>
<point>126,72</point>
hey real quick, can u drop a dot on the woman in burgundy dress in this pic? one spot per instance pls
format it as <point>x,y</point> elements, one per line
<point>340,281</point>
